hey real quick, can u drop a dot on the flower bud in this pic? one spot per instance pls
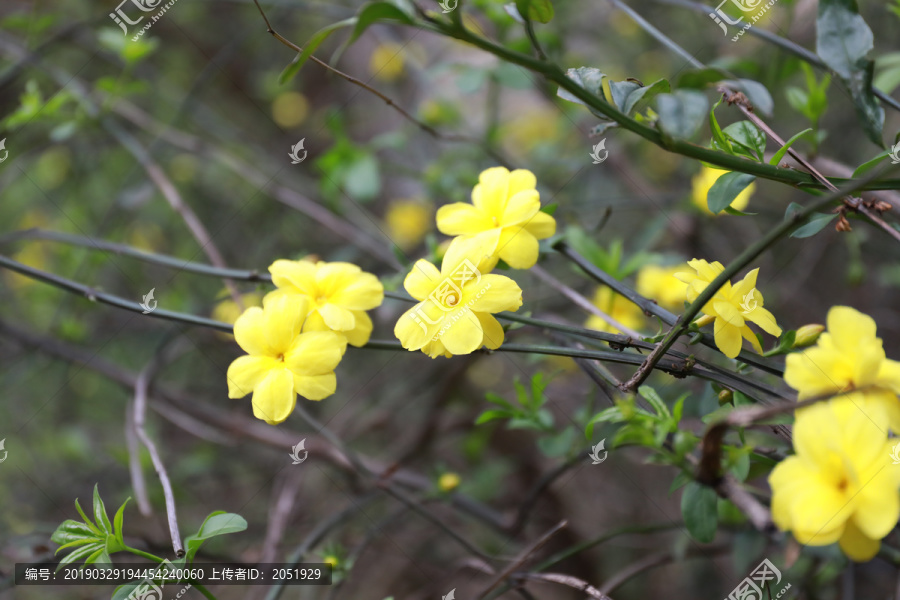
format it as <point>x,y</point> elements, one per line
<point>725,397</point>
<point>807,335</point>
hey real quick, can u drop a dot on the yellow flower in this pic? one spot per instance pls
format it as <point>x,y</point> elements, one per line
<point>448,482</point>
<point>840,486</point>
<point>281,361</point>
<point>339,295</point>
<point>386,62</point>
<point>290,109</point>
<point>454,313</point>
<point>407,222</point>
<point>505,217</point>
<point>732,307</point>
<point>704,180</point>
<point>618,307</point>
<point>228,311</point>
<point>660,284</point>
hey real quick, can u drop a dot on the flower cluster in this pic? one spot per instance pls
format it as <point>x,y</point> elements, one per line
<point>840,485</point>
<point>298,337</point>
<point>456,303</point>
<point>732,307</point>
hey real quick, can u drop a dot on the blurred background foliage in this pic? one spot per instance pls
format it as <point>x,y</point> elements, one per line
<point>199,93</point>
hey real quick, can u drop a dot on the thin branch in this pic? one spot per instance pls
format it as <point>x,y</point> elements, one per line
<point>567,580</point>
<point>387,100</point>
<point>522,557</point>
<point>138,483</point>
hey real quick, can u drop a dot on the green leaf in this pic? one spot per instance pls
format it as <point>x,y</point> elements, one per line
<point>678,409</point>
<point>698,507</point>
<point>620,90</point>
<point>681,480</point>
<point>495,399</point>
<point>658,404</point>
<point>681,113</point>
<point>871,163</point>
<point>757,93</point>
<point>590,79</point>
<point>726,189</point>
<point>843,40</point>
<point>100,516</point>
<point>641,97</point>
<point>492,415</point>
<point>70,531</point>
<point>717,134</point>
<point>87,521</point>
<point>536,10</point>
<point>550,209</point>
<point>700,78</point>
<point>783,150</point>
<point>537,390</point>
<point>612,414</point>
<point>311,46</point>
<point>749,136</point>
<point>814,223</point>
<point>101,556</point>
<point>78,554</point>
<point>217,523</point>
<point>373,12</point>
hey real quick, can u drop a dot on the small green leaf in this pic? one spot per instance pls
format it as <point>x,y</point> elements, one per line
<point>492,415</point>
<point>589,78</point>
<point>311,46</point>
<point>698,507</point>
<point>871,163</point>
<point>681,480</point>
<point>658,404</point>
<point>71,531</point>
<point>100,516</point>
<point>749,136</point>
<point>681,113</point>
<point>783,150</point>
<point>78,554</point>
<point>217,523</point>
<point>373,12</point>
<point>550,209</point>
<point>641,97</point>
<point>87,521</point>
<point>536,10</point>
<point>717,134</point>
<point>817,223</point>
<point>726,189</point>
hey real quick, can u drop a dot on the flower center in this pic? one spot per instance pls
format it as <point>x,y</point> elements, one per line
<point>495,221</point>
<point>320,300</point>
<point>452,300</point>
<point>842,484</point>
<point>280,357</point>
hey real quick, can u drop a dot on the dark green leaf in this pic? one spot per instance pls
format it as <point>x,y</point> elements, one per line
<point>698,507</point>
<point>815,224</point>
<point>311,46</point>
<point>757,93</point>
<point>749,136</point>
<point>536,10</point>
<point>871,163</point>
<point>550,209</point>
<point>726,189</point>
<point>620,90</point>
<point>70,531</point>
<point>217,523</point>
<point>680,480</point>
<point>700,78</point>
<point>783,150</point>
<point>682,113</point>
<point>492,415</point>
<point>641,97</point>
<point>589,78</point>
<point>391,10</point>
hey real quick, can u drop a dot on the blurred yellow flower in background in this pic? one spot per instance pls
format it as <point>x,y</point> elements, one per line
<point>448,482</point>
<point>387,62</point>
<point>616,306</point>
<point>228,311</point>
<point>407,220</point>
<point>704,180</point>
<point>660,284</point>
<point>528,129</point>
<point>290,109</point>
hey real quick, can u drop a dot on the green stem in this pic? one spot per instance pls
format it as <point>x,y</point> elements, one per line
<point>143,554</point>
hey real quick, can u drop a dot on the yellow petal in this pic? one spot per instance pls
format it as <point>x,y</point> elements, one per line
<point>849,328</point>
<point>521,179</point>
<point>359,335</point>
<point>422,279</point>
<point>541,225</point>
<point>418,325</point>
<point>249,331</point>
<point>492,329</point>
<point>492,191</point>
<point>521,207</point>
<point>246,372</point>
<point>315,387</point>
<point>728,312</point>
<point>889,375</point>
<point>470,253</point>
<point>764,319</point>
<point>745,286</point>
<point>435,348</point>
<point>464,335</point>
<point>336,317</point>
<point>362,292</point>
<point>284,316</point>
<point>728,338</point>
<point>748,335</point>
<point>856,545</point>
<point>518,248</point>
<point>462,219</point>
<point>493,294</point>
<point>297,274</point>
<point>315,353</point>
<point>274,398</point>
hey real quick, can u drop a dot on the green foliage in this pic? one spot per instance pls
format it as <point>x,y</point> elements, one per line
<point>609,259</point>
<point>216,524</point>
<point>682,112</point>
<point>535,10</point>
<point>698,508</point>
<point>814,223</point>
<point>95,540</point>
<point>528,413</point>
<point>726,189</point>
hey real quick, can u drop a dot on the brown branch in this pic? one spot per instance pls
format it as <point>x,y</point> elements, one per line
<point>567,580</point>
<point>522,557</point>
